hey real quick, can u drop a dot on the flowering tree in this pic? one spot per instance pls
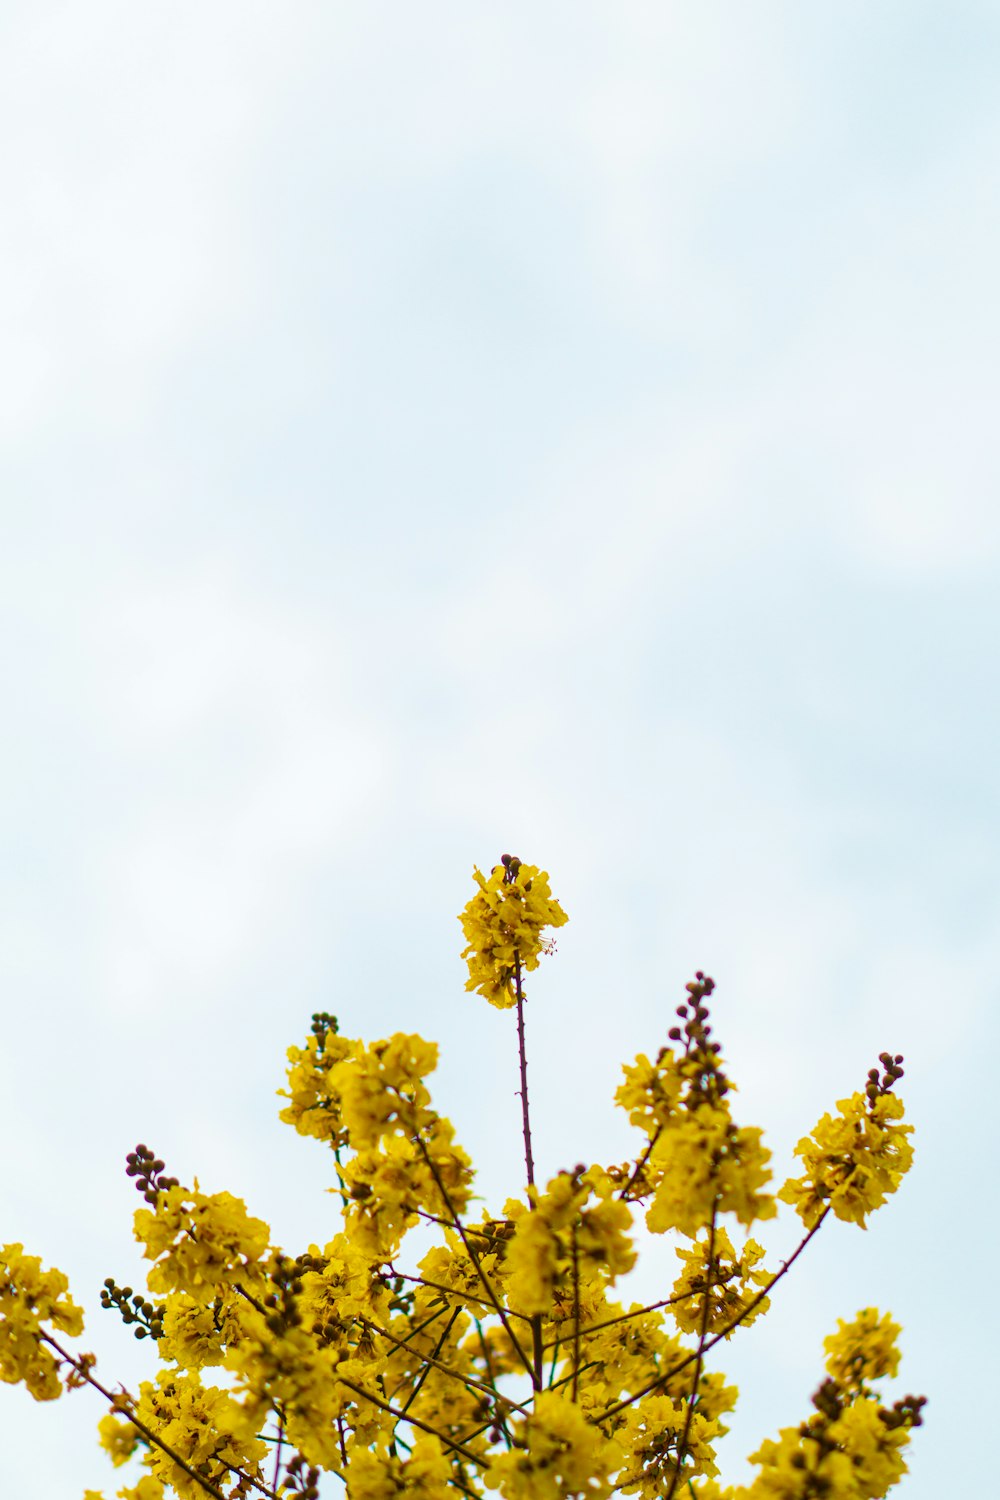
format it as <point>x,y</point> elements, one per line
<point>504,1359</point>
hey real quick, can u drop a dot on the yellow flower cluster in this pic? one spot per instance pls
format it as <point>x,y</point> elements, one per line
<point>665,1447</point>
<point>853,1160</point>
<point>705,1163</point>
<point>380,1089</point>
<point>575,1228</point>
<point>314,1108</point>
<point>425,1475</point>
<point>30,1298</point>
<point>200,1242</point>
<point>731,1282</point>
<point>698,1163</point>
<point>857,1456</point>
<point>118,1437</point>
<point>407,1161</point>
<point>852,1447</point>
<point>503,926</point>
<point>863,1349</point>
<point>558,1454</point>
<point>203,1425</point>
<point>196,1333</point>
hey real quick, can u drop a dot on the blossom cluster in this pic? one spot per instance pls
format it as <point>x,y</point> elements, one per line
<point>488,1352</point>
<point>31,1299</point>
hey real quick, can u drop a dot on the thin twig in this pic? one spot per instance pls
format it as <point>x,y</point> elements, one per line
<point>394,1411</point>
<point>439,1286</point>
<point>488,1289</point>
<point>529,1160</point>
<point>405,1343</point>
<point>626,1317</point>
<point>555,1346</point>
<point>501,1415</point>
<point>277,1451</point>
<point>641,1163</point>
<point>576,1316</point>
<point>83,1370</point>
<point>706,1312</point>
<point>432,1362</point>
<point>786,1266</point>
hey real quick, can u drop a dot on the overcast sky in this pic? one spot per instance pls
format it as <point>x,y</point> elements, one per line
<point>431,430</point>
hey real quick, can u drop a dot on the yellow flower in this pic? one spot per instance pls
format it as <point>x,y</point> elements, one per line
<point>425,1475</point>
<point>203,1425</point>
<point>314,1107</point>
<point>196,1334</point>
<point>702,1163</point>
<point>559,1454</point>
<point>503,926</point>
<point>201,1242</point>
<point>118,1437</point>
<point>797,1466</point>
<point>853,1160</point>
<point>651,1093</point>
<point>873,1446</point>
<point>734,1282</point>
<point>862,1350</point>
<point>651,1436</point>
<point>381,1091</point>
<point>148,1488</point>
<point>562,1227</point>
<point>29,1298</point>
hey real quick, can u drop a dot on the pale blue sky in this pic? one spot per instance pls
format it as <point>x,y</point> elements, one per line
<point>436,429</point>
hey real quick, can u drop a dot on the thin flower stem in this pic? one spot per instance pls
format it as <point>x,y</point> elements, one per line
<point>639,1167</point>
<point>576,1316</point>
<point>744,1312</point>
<point>428,1362</point>
<point>501,1415</point>
<point>536,1350</point>
<point>394,1411</point>
<point>459,1226</point>
<point>529,1160</point>
<point>249,1479</point>
<point>405,1343</point>
<point>439,1286</point>
<point>83,1370</point>
<point>588,1364</point>
<point>706,1313</point>
<point>422,1213</point>
<point>626,1317</point>
<point>432,1362</point>
<point>277,1451</point>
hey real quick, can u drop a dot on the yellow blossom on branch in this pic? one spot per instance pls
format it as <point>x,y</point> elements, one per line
<point>118,1437</point>
<point>863,1349</point>
<point>853,1160</point>
<point>202,1425</point>
<point>30,1298</point>
<point>730,1280</point>
<point>503,926</point>
<point>575,1225</point>
<point>558,1454</point>
<point>200,1242</point>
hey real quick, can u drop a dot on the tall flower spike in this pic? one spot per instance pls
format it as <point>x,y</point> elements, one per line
<point>503,926</point>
